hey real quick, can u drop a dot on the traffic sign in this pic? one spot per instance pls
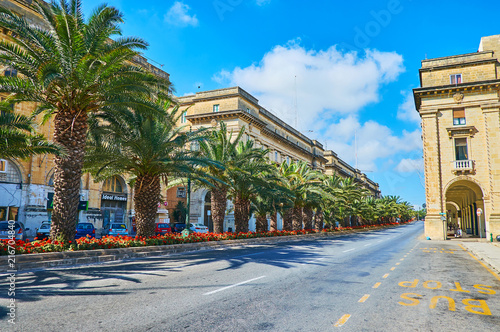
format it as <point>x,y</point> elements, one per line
<point>479,212</point>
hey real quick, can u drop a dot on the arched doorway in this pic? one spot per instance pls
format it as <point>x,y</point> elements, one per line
<point>207,212</point>
<point>463,199</point>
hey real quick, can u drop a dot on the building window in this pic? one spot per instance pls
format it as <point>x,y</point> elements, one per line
<point>183,117</point>
<point>288,160</point>
<point>461,149</point>
<point>181,192</point>
<point>276,156</point>
<point>456,79</point>
<point>113,185</point>
<point>248,110</point>
<point>10,72</point>
<point>216,108</point>
<point>3,166</point>
<point>459,117</point>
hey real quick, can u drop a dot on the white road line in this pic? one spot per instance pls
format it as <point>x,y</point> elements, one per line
<point>349,250</point>
<point>257,253</point>
<point>238,284</point>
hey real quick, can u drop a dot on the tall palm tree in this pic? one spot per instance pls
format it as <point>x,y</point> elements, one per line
<point>245,182</point>
<point>71,68</point>
<point>151,150</point>
<point>221,148</point>
<point>18,138</point>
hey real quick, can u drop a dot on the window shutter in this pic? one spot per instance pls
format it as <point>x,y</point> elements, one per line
<point>459,113</point>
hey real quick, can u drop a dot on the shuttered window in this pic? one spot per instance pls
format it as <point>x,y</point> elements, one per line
<point>459,117</point>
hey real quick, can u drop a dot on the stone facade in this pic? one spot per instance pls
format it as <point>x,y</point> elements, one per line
<point>237,108</point>
<point>459,104</point>
<point>26,185</point>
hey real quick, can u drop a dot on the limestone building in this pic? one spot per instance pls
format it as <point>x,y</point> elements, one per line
<point>237,108</point>
<point>26,186</point>
<point>459,104</point>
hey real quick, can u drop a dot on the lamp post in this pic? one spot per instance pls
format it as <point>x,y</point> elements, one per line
<point>194,146</point>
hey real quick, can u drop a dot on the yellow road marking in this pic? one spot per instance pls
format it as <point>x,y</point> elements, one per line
<point>342,320</point>
<point>487,268</point>
<point>393,268</point>
<point>402,259</point>
<point>398,263</point>
<point>385,275</point>
<point>364,298</point>
<point>377,284</point>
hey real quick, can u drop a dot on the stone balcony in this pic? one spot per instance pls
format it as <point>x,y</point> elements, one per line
<point>462,166</point>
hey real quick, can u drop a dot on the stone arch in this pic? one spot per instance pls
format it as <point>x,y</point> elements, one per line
<point>12,173</point>
<point>481,192</point>
<point>121,180</point>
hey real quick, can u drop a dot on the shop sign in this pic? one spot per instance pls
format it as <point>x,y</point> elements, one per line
<point>112,197</point>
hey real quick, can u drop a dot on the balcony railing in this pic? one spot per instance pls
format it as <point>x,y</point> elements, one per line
<point>463,165</point>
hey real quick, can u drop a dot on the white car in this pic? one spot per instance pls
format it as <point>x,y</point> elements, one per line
<point>199,228</point>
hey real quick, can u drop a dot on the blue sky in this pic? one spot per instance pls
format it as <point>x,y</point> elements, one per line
<point>352,64</point>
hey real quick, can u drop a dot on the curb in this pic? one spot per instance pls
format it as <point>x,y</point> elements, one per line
<point>492,263</point>
<point>74,258</point>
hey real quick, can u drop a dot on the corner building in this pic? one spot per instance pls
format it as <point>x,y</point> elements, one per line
<point>459,104</point>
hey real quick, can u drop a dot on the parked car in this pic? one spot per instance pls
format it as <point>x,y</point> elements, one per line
<point>11,225</point>
<point>118,229</point>
<point>178,227</point>
<point>199,228</point>
<point>83,229</point>
<point>44,231</point>
<point>162,228</point>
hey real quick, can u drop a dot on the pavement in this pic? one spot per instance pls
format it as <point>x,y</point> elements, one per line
<point>488,252</point>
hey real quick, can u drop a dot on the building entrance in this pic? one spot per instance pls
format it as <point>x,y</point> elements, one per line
<point>463,199</point>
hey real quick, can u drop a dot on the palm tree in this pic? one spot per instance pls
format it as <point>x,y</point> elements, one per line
<point>71,68</point>
<point>245,182</point>
<point>151,150</point>
<point>221,148</point>
<point>18,138</point>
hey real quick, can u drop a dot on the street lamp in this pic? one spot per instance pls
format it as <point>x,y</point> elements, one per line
<point>194,146</point>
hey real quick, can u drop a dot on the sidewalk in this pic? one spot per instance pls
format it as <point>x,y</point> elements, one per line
<point>488,252</point>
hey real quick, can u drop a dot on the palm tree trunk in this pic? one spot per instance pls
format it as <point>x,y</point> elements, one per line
<point>307,216</point>
<point>318,219</point>
<point>71,132</point>
<point>274,221</point>
<point>297,218</point>
<point>146,197</point>
<point>287,219</point>
<point>219,203</point>
<point>241,214</point>
<point>261,223</point>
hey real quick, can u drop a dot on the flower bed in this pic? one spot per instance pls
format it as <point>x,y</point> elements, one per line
<point>110,242</point>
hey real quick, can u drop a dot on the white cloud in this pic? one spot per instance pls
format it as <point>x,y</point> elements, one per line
<point>410,166</point>
<point>407,110</point>
<point>263,2</point>
<point>373,141</point>
<point>326,81</point>
<point>178,15</point>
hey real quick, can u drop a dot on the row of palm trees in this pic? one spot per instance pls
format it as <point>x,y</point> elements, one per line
<point>112,117</point>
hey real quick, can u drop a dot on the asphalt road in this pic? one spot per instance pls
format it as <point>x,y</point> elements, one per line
<point>387,280</point>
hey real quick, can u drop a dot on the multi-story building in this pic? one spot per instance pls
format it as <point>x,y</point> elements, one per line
<point>26,186</point>
<point>238,109</point>
<point>459,103</point>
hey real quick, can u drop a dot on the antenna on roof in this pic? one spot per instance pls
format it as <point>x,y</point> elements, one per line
<point>295,103</point>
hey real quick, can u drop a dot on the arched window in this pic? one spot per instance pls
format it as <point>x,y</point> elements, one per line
<point>9,172</point>
<point>113,184</point>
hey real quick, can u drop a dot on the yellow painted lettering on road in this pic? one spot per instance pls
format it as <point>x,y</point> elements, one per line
<point>342,320</point>
<point>486,289</point>
<point>426,284</point>
<point>413,301</point>
<point>435,299</point>
<point>377,284</point>
<point>409,284</point>
<point>459,288</point>
<point>482,305</point>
